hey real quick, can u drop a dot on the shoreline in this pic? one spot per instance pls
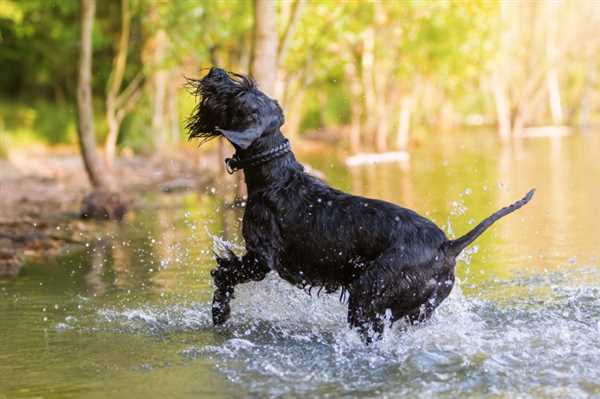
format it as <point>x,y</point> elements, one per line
<point>41,194</point>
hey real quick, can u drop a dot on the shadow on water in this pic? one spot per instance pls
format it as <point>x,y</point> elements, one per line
<point>129,314</point>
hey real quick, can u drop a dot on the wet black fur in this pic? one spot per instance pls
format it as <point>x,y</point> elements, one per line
<point>389,259</point>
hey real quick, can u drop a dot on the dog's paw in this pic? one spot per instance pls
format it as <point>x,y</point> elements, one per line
<point>221,309</point>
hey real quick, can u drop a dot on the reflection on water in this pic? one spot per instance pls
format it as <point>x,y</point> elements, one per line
<point>129,314</point>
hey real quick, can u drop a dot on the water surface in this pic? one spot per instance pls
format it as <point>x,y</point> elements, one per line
<point>129,315</point>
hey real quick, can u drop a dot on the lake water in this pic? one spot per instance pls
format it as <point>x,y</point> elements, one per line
<point>129,315</point>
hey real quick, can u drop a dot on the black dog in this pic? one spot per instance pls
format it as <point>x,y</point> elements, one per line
<point>388,259</point>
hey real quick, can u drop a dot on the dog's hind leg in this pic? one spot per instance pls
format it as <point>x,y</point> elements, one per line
<point>367,321</point>
<point>390,286</point>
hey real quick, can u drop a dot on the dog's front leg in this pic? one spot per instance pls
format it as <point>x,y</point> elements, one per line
<point>231,271</point>
<point>261,233</point>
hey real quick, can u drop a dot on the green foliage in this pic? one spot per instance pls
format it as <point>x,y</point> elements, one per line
<point>54,123</point>
<point>42,121</point>
<point>445,43</point>
<point>3,144</point>
<point>39,48</point>
<point>326,105</point>
<point>135,132</point>
<point>439,52</point>
<point>9,10</point>
<point>204,31</point>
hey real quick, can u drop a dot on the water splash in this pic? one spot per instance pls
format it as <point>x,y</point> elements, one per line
<point>280,341</point>
<point>458,208</point>
<point>221,247</point>
<point>466,255</point>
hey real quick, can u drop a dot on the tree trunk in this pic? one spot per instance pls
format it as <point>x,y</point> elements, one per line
<point>518,127</point>
<point>403,137</point>
<point>554,97</point>
<point>114,85</point>
<point>173,110</point>
<point>159,86</point>
<point>294,118</point>
<point>383,112</point>
<point>264,58</point>
<point>446,116</point>
<point>552,82</point>
<point>87,136</point>
<point>352,75</point>
<point>291,13</point>
<point>502,109</point>
<point>110,145</point>
<point>382,69</point>
<point>102,203</point>
<point>290,29</point>
<point>368,64</point>
<point>382,127</point>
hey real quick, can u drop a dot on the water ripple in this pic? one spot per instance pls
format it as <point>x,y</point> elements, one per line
<point>280,341</point>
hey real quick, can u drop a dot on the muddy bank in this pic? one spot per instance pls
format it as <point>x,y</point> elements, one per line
<point>40,198</point>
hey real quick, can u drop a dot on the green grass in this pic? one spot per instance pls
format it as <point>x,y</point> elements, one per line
<point>37,121</point>
<point>3,150</point>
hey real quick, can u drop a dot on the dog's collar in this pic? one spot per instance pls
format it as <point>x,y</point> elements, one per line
<point>236,163</point>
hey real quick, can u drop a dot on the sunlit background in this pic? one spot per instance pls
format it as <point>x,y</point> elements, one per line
<point>451,108</point>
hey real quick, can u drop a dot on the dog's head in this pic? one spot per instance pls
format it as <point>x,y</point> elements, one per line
<point>232,106</point>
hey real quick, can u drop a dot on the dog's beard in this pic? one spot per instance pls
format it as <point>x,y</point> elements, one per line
<point>217,91</point>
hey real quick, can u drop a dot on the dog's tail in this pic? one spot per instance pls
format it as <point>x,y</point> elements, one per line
<point>454,247</point>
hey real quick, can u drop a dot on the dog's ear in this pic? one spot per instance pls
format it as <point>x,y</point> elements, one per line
<point>244,138</point>
<point>264,115</point>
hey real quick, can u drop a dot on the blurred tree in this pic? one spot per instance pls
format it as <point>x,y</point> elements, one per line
<point>538,46</point>
<point>120,102</point>
<point>376,74</point>
<point>30,65</point>
<point>103,202</point>
<point>87,136</point>
<point>156,51</point>
<point>398,55</point>
<point>264,54</point>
